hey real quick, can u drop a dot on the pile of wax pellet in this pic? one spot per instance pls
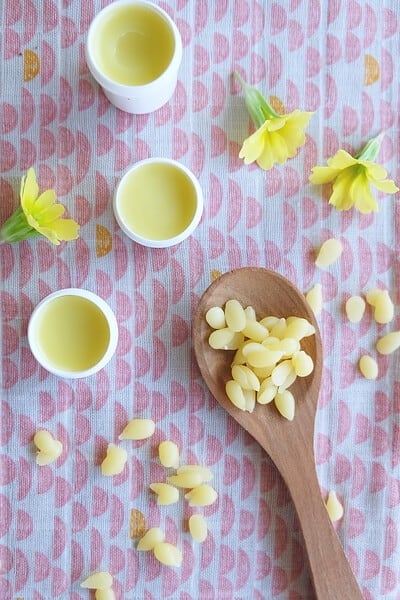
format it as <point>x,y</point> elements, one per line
<point>268,356</point>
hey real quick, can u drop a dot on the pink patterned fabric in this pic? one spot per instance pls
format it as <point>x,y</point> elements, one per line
<point>61,522</point>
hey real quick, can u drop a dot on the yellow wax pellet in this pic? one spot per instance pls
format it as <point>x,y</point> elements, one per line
<point>225,339</point>
<point>168,453</point>
<point>166,493</point>
<point>284,402</point>
<point>368,367</point>
<point>138,429</point>
<point>388,343</point>
<point>267,391</point>
<point>107,594</point>
<point>384,308</point>
<point>235,394</point>
<point>281,372</point>
<point>302,363</point>
<point>198,528</point>
<point>245,377</point>
<point>168,554</point>
<point>115,460</point>
<point>102,580</point>
<point>314,298</point>
<point>355,307</point>
<point>151,538</point>
<point>49,449</point>
<point>206,474</point>
<point>329,252</point>
<point>235,316</point>
<point>215,317</point>
<point>201,495</point>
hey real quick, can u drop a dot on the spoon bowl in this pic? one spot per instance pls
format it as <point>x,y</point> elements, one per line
<point>290,444</point>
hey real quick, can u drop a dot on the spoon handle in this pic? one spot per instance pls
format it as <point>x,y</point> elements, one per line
<point>331,573</point>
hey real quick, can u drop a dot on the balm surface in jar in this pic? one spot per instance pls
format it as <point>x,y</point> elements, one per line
<point>133,44</point>
<point>72,333</point>
<point>158,202</point>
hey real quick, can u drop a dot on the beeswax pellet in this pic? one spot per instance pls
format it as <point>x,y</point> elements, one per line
<point>267,391</point>
<point>281,372</point>
<point>235,394</point>
<point>215,317</point>
<point>201,495</point>
<point>151,538</point>
<point>284,402</point>
<point>355,307</point>
<point>102,580</point>
<point>384,309</point>
<point>388,343</point>
<point>235,316</point>
<point>314,298</point>
<point>245,377</point>
<point>205,473</point>
<point>107,594</point>
<point>168,453</point>
<point>334,507</point>
<point>168,554</point>
<point>115,460</point>
<point>49,449</point>
<point>198,528</point>
<point>225,339</point>
<point>138,429</point>
<point>368,367</point>
<point>166,493</point>
<point>372,296</point>
<point>302,363</point>
<point>329,253</point>
<point>186,479</point>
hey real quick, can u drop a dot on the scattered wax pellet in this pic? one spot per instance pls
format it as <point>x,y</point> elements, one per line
<point>334,507</point>
<point>314,298</point>
<point>235,316</point>
<point>388,343</point>
<point>355,307</point>
<point>102,580</point>
<point>115,460</point>
<point>49,449</point>
<point>166,493</point>
<point>302,363</point>
<point>284,402</point>
<point>198,528</point>
<point>215,317</point>
<point>151,538</point>
<point>168,453</point>
<point>168,554</point>
<point>137,523</point>
<point>201,495</point>
<point>206,474</point>
<point>329,253</point>
<point>138,429</point>
<point>372,296</point>
<point>107,594</point>
<point>186,479</point>
<point>384,308</point>
<point>368,367</point>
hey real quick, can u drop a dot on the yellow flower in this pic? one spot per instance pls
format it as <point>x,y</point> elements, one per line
<point>38,214</point>
<point>277,137</point>
<point>352,177</point>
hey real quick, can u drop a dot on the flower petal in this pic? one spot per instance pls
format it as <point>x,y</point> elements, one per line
<point>48,216</point>
<point>341,197</point>
<point>65,229</point>
<point>341,160</point>
<point>29,190</point>
<point>253,145</point>
<point>321,175</point>
<point>386,185</point>
<point>45,201</point>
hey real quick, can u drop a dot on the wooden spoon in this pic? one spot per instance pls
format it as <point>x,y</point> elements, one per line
<point>290,444</point>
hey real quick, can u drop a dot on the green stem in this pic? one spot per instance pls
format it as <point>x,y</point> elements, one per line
<point>259,109</point>
<point>371,149</point>
<point>17,228</point>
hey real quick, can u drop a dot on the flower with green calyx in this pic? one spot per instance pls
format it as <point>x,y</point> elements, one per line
<point>352,176</point>
<point>38,215</point>
<point>277,137</point>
